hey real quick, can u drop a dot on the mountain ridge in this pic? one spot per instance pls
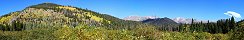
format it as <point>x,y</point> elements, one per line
<point>163,23</point>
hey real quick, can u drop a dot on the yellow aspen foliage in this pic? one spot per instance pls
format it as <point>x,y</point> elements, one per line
<point>66,7</point>
<point>109,22</point>
<point>98,19</point>
<point>5,19</point>
<point>8,18</point>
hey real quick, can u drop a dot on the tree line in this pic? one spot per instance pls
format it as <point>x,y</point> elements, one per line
<point>221,26</point>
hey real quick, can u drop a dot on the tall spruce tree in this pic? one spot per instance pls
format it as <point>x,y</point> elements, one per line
<point>232,23</point>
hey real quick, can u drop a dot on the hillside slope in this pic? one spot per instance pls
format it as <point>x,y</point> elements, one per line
<point>54,15</point>
<point>163,23</point>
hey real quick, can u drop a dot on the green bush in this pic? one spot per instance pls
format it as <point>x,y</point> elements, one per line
<point>237,34</point>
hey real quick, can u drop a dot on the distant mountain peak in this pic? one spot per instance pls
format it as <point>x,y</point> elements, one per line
<point>139,18</point>
<point>187,20</point>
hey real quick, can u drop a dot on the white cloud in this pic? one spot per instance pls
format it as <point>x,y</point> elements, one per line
<point>234,14</point>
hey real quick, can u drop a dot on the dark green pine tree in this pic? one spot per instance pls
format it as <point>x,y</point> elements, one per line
<point>232,23</point>
<point>208,27</point>
<point>202,26</point>
<point>192,21</point>
<point>226,26</point>
<point>181,27</point>
<point>220,25</point>
<point>192,25</point>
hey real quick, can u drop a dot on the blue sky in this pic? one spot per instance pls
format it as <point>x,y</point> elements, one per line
<point>198,9</point>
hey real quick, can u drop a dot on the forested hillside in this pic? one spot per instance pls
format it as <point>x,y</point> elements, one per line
<point>165,24</point>
<point>53,15</point>
<point>49,21</point>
